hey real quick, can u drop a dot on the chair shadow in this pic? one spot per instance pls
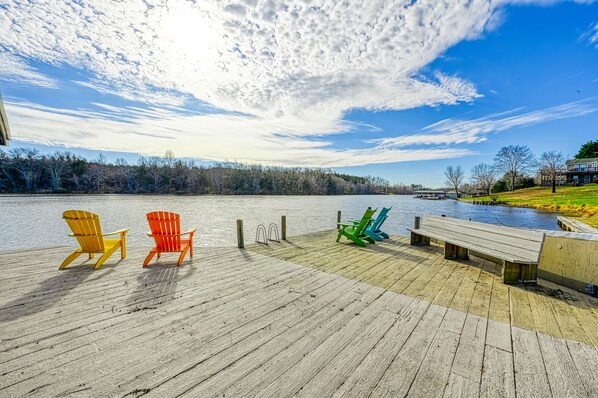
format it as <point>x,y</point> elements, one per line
<point>157,285</point>
<point>50,291</point>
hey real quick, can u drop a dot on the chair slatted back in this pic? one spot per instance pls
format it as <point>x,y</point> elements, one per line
<point>86,228</point>
<point>365,221</point>
<point>382,216</point>
<point>166,229</point>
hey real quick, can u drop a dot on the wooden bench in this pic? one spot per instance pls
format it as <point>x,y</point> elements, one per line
<point>518,250</point>
<point>569,224</point>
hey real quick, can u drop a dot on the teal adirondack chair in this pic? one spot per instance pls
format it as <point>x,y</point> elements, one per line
<point>356,232</point>
<point>374,231</point>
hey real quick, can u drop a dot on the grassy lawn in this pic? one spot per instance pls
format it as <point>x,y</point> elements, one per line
<point>579,202</point>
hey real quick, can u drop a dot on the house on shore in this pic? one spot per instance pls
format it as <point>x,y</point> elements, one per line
<point>581,171</point>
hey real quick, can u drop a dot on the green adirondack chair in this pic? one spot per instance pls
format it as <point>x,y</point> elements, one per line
<point>356,232</point>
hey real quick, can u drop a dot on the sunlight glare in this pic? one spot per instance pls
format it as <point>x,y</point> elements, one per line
<point>190,34</point>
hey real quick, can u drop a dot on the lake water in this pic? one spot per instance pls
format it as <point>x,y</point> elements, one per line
<point>36,220</point>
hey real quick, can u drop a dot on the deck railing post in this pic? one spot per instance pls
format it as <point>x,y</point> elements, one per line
<point>338,220</point>
<point>417,223</point>
<point>283,227</point>
<point>240,239</point>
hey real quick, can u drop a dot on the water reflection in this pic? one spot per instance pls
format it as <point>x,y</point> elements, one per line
<point>36,220</point>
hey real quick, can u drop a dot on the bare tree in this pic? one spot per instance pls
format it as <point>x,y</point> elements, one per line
<point>154,167</point>
<point>169,159</point>
<point>552,164</point>
<point>514,160</point>
<point>57,166</point>
<point>27,163</point>
<point>94,176</point>
<point>454,177</point>
<point>484,176</point>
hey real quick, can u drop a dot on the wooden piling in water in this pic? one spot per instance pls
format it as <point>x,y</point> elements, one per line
<point>338,220</point>
<point>240,238</point>
<point>283,227</point>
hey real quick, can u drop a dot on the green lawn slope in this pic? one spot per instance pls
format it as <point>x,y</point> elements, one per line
<point>581,202</point>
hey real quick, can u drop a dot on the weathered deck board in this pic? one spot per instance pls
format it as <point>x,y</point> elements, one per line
<point>308,317</point>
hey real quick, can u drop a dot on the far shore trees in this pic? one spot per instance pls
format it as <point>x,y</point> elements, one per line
<point>484,176</point>
<point>552,164</point>
<point>26,170</point>
<point>514,160</point>
<point>454,177</point>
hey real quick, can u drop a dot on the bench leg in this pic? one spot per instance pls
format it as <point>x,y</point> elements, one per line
<point>419,240</point>
<point>510,272</point>
<point>453,251</point>
<point>519,273</point>
<point>529,273</point>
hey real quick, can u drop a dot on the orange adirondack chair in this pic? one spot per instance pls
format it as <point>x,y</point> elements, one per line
<point>166,231</point>
<point>86,228</point>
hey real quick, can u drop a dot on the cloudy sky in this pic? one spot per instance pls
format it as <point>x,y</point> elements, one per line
<point>399,89</point>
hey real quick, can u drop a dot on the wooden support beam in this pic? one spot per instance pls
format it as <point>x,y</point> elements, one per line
<point>529,273</point>
<point>416,239</point>
<point>240,238</point>
<point>338,220</point>
<point>283,227</point>
<point>519,273</point>
<point>454,251</point>
<point>511,272</point>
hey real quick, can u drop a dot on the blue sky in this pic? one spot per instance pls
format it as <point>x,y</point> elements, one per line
<point>395,89</point>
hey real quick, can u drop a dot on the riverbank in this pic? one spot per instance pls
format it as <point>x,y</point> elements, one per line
<point>579,202</point>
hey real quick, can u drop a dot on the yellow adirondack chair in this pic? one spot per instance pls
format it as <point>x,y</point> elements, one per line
<point>86,228</point>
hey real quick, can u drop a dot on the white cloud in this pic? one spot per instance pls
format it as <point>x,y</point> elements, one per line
<point>15,70</point>
<point>455,131</point>
<point>263,58</point>
<point>208,136</point>
<point>292,70</point>
<point>591,35</point>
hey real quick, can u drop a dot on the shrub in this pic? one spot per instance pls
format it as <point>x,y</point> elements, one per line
<point>500,186</point>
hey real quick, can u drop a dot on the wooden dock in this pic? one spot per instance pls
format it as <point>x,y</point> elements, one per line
<point>574,225</point>
<point>307,317</point>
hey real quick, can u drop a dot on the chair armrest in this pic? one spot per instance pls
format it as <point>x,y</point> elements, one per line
<point>345,224</point>
<point>120,231</point>
<point>190,232</point>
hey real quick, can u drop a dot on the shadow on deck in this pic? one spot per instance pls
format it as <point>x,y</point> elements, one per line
<point>307,318</point>
<point>397,266</point>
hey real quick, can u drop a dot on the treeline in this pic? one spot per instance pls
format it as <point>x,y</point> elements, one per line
<point>513,168</point>
<point>26,170</point>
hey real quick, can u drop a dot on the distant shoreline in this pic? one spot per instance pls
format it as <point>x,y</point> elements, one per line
<point>579,202</point>
<point>188,194</point>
